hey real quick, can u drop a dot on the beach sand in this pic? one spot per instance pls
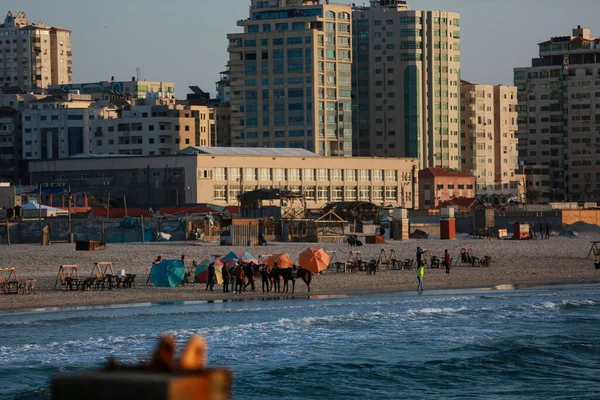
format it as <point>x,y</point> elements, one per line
<point>559,260</point>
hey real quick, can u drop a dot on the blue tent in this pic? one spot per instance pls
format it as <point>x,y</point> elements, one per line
<point>168,273</point>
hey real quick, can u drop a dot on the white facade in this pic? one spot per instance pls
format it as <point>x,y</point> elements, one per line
<point>56,128</point>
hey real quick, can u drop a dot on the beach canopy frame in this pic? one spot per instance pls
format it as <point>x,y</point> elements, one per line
<point>101,269</point>
<point>12,273</point>
<point>595,250</point>
<point>387,260</point>
<point>66,271</point>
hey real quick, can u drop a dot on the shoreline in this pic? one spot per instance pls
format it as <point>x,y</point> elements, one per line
<point>256,296</point>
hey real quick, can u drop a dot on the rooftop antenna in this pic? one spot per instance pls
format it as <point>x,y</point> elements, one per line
<point>137,73</point>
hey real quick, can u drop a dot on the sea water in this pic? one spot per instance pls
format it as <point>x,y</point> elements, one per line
<point>535,343</point>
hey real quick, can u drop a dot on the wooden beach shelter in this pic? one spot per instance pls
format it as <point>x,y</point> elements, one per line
<point>66,271</point>
<point>101,269</point>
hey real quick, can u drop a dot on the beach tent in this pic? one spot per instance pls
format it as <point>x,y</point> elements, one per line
<point>232,258</point>
<point>167,273</point>
<point>283,260</point>
<point>315,260</point>
<point>201,272</point>
<point>247,257</point>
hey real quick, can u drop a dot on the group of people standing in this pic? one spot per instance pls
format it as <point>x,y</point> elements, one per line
<point>544,233</point>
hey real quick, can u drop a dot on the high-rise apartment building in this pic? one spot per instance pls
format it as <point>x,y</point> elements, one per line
<point>406,83</point>
<point>559,115</point>
<point>290,77</point>
<point>33,56</point>
<point>489,143</point>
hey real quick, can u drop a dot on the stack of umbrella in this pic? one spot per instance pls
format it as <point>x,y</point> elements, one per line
<point>201,273</point>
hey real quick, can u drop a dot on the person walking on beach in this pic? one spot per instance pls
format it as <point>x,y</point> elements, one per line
<point>240,278</point>
<point>420,253</point>
<point>541,230</point>
<point>212,276</point>
<point>264,276</point>
<point>420,274</point>
<point>447,261</point>
<point>232,274</point>
<point>547,231</point>
<point>225,276</point>
<point>249,270</point>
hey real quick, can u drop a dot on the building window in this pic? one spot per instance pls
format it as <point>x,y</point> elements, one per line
<point>350,175</point>
<point>391,176</point>
<point>377,193</point>
<point>323,193</point>
<point>391,193</point>
<point>294,174</point>
<point>336,175</point>
<point>279,174</point>
<point>265,174</point>
<point>250,174</point>
<point>377,175</point>
<point>363,175</point>
<point>220,174</point>
<point>363,193</point>
<point>309,174</point>
<point>220,192</point>
<point>235,174</point>
<point>351,193</point>
<point>234,192</point>
<point>309,192</point>
<point>322,174</point>
<point>337,193</point>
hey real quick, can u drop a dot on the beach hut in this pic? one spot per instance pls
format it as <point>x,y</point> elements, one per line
<point>282,260</point>
<point>201,273</point>
<point>167,273</point>
<point>315,260</point>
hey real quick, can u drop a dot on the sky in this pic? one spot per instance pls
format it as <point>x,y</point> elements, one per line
<point>184,41</point>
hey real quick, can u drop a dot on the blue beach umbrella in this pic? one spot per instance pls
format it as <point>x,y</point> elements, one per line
<point>168,273</point>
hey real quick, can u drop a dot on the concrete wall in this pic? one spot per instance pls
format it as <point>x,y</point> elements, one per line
<point>465,223</point>
<point>115,231</point>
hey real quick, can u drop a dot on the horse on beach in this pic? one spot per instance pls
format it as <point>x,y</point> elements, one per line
<point>289,274</point>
